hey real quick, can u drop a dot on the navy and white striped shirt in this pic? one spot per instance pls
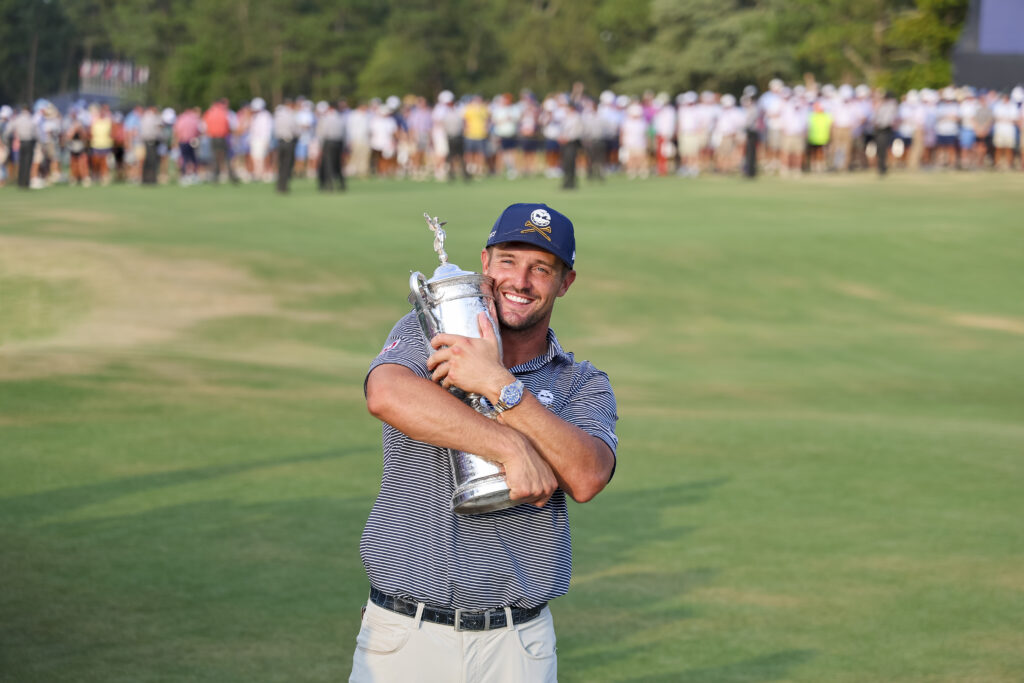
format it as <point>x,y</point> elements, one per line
<point>415,547</point>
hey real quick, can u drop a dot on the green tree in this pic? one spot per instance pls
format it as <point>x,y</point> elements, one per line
<point>432,45</point>
<point>696,44</point>
<point>895,43</point>
<point>36,53</point>
<point>550,44</point>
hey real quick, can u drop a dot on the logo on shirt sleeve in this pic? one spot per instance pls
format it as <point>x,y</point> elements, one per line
<point>389,347</point>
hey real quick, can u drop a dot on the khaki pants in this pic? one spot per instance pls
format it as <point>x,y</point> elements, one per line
<point>393,647</point>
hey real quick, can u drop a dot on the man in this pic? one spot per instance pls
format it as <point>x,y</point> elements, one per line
<point>217,120</point>
<point>330,130</point>
<point>464,597</point>
<point>569,141</point>
<point>261,135</point>
<point>285,133</point>
<point>150,131</point>
<point>26,132</point>
<point>886,115</point>
<point>476,120</point>
<point>186,132</point>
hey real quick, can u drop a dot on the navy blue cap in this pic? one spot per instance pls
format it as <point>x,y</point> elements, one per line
<point>538,225</point>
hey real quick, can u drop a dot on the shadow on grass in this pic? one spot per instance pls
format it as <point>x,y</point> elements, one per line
<point>49,503</point>
<point>215,590</point>
<point>632,575</point>
<point>773,667</point>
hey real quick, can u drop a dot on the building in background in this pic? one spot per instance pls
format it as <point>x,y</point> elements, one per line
<point>990,52</point>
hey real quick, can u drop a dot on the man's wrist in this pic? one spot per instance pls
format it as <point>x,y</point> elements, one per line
<point>499,382</point>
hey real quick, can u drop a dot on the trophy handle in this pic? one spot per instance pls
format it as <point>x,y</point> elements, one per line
<point>418,285</point>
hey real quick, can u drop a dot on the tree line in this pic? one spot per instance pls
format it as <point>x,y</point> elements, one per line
<point>197,50</point>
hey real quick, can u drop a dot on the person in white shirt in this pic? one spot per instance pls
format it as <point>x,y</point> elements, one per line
<point>968,124</point>
<point>947,129</point>
<point>357,137</point>
<point>664,124</point>
<point>688,127</point>
<point>794,132</point>
<point>612,112</point>
<point>912,129</point>
<point>1004,131</point>
<point>843,123</point>
<point>771,104</point>
<point>633,143</point>
<point>505,124</point>
<point>261,130</point>
<point>383,141</point>
<point>551,127</point>
<point>863,131</point>
<point>726,134</point>
<point>707,113</point>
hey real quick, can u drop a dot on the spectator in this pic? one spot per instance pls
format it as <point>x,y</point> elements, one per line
<point>25,133</point>
<point>261,134</point>
<point>218,128</point>
<point>186,134</point>
<point>286,131</point>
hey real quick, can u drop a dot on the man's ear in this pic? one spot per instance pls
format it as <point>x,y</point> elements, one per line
<point>485,259</point>
<point>569,278</point>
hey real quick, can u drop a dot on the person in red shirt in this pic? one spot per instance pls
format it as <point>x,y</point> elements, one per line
<point>217,121</point>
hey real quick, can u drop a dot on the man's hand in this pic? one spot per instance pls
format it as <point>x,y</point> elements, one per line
<point>471,364</point>
<point>530,479</point>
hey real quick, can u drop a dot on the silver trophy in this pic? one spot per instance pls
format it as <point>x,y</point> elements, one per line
<point>449,302</point>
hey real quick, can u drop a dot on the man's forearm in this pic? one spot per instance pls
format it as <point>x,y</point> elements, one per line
<point>582,463</point>
<point>424,411</point>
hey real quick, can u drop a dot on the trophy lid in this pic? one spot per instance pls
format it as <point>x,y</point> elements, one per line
<point>448,270</point>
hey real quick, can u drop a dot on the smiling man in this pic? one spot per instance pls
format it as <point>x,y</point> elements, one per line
<point>465,597</point>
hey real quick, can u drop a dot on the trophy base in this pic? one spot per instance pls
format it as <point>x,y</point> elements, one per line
<point>483,495</point>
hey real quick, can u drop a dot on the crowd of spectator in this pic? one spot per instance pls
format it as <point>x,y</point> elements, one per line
<point>787,130</point>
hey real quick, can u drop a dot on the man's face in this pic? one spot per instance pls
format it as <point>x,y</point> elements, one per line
<point>527,281</point>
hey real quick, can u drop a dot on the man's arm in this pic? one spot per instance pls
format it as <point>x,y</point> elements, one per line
<point>581,462</point>
<point>425,412</point>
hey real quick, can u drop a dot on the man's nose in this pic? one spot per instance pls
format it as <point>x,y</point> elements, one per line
<point>521,279</point>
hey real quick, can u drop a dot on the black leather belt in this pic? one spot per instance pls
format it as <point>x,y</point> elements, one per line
<point>462,620</point>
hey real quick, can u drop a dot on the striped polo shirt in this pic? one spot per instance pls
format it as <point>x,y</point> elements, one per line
<point>415,547</point>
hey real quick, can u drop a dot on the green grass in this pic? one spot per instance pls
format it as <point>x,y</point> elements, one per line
<point>821,393</point>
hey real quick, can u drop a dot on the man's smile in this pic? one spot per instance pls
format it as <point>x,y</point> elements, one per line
<point>516,298</point>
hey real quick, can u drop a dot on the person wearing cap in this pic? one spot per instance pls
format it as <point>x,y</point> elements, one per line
<point>465,597</point>
<point>261,133</point>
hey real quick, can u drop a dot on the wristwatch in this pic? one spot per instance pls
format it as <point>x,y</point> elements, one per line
<point>510,396</point>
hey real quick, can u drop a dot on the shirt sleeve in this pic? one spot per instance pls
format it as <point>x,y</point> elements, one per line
<point>405,346</point>
<point>592,407</point>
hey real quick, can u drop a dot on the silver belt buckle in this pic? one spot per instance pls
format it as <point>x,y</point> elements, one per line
<point>458,619</point>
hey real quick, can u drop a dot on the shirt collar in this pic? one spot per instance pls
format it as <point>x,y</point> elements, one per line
<point>554,353</point>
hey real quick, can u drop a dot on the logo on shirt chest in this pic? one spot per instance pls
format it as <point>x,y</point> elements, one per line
<point>545,397</point>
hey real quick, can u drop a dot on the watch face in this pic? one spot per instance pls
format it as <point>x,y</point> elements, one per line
<point>512,394</point>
